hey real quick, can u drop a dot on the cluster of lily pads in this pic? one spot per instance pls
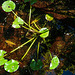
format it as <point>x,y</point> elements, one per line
<point>9,66</point>
<point>12,65</point>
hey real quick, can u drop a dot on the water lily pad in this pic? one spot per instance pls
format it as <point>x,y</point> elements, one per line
<point>11,66</point>
<point>44,32</point>
<point>36,65</point>
<point>17,22</point>
<point>2,52</point>
<point>54,62</point>
<point>48,17</point>
<point>2,61</point>
<point>8,6</point>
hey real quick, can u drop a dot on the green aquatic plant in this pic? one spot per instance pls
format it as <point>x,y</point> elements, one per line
<point>54,62</point>
<point>13,65</point>
<point>9,66</point>
<point>2,52</point>
<point>44,32</point>
<point>17,22</point>
<point>49,17</point>
<point>36,65</point>
<point>2,61</point>
<point>8,6</point>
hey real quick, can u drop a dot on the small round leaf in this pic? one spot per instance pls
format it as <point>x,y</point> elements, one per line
<point>8,6</point>
<point>17,22</point>
<point>54,62</point>
<point>2,52</point>
<point>44,32</point>
<point>11,66</point>
<point>48,17</point>
<point>2,61</point>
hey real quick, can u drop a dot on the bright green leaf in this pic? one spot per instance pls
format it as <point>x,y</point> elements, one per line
<point>2,52</point>
<point>54,62</point>
<point>17,22</point>
<point>48,17</point>
<point>15,25</point>
<point>2,61</point>
<point>8,6</point>
<point>11,66</point>
<point>33,60</point>
<point>44,32</point>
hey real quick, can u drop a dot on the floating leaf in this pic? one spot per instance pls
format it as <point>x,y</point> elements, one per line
<point>17,22</point>
<point>36,65</point>
<point>54,62</point>
<point>15,25</point>
<point>44,32</point>
<point>11,66</point>
<point>48,17</point>
<point>2,61</point>
<point>2,52</point>
<point>8,6</point>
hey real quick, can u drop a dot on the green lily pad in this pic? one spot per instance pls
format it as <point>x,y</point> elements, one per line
<point>36,65</point>
<point>44,32</point>
<point>2,52</point>
<point>2,61</point>
<point>54,62</point>
<point>17,22</point>
<point>8,6</point>
<point>11,66</point>
<point>48,17</point>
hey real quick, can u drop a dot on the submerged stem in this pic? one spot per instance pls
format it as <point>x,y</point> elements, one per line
<point>38,50</point>
<point>25,27</point>
<point>19,47</point>
<point>29,16</point>
<point>36,26</point>
<point>28,48</point>
<point>48,48</point>
<point>26,24</point>
<point>17,16</point>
